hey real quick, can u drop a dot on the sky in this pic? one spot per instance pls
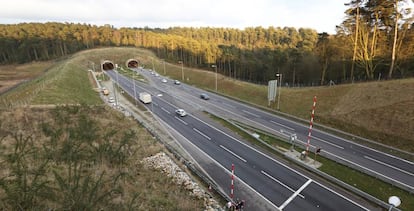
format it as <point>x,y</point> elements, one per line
<point>321,15</point>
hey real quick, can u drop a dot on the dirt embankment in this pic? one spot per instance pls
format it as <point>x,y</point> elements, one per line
<point>12,75</point>
<point>385,109</point>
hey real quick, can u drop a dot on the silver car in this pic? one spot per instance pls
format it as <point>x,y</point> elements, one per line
<point>180,112</point>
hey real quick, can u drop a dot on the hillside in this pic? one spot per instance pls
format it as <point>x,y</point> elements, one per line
<point>76,157</point>
<point>381,111</point>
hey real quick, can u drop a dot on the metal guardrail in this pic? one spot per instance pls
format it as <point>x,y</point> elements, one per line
<point>178,156</point>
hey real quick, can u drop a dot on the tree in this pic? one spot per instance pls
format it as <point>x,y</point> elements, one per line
<point>397,14</point>
<point>323,52</point>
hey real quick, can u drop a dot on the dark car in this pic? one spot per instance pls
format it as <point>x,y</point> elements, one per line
<point>204,96</point>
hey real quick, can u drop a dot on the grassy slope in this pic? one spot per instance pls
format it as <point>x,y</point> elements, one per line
<point>139,189</point>
<point>67,83</point>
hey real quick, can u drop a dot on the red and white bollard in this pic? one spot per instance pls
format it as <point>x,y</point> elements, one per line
<point>232,182</point>
<point>311,124</point>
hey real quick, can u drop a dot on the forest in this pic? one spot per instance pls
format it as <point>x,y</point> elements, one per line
<point>375,41</point>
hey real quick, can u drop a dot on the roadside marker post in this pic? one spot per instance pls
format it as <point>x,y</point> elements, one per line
<point>232,183</point>
<point>311,124</point>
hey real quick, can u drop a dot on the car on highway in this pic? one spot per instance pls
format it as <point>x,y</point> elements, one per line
<point>204,96</point>
<point>180,112</point>
<point>177,82</point>
<point>164,80</point>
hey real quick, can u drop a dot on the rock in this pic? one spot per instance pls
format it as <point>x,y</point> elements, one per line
<point>164,163</point>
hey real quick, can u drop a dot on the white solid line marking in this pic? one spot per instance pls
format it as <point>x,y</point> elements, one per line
<point>277,123</point>
<point>327,142</point>
<point>386,164</point>
<point>232,106</point>
<point>295,194</point>
<point>365,147</point>
<point>247,112</point>
<point>201,133</point>
<point>235,155</point>
<point>182,121</point>
<point>165,110</point>
<point>282,184</point>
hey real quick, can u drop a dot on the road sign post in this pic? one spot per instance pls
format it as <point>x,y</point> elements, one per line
<point>271,91</point>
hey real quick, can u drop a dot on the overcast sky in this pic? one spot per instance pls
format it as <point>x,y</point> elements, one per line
<point>321,15</point>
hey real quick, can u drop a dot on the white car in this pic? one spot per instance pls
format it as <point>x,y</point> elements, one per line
<point>180,112</point>
<point>177,82</point>
<point>164,80</point>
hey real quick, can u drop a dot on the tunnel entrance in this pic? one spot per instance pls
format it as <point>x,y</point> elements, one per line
<point>108,65</point>
<point>132,63</point>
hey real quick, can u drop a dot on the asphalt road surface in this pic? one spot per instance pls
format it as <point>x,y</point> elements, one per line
<point>280,186</point>
<point>391,169</point>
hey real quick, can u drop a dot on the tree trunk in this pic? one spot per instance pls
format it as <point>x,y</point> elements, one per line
<point>355,43</point>
<point>324,68</point>
<point>394,43</point>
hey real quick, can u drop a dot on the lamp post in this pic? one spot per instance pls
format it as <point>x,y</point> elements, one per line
<point>280,89</point>
<point>135,92</point>
<point>215,66</point>
<point>117,83</point>
<point>152,60</point>
<point>182,70</point>
<point>164,68</point>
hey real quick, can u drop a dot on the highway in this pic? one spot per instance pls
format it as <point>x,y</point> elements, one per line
<point>281,186</point>
<point>389,168</point>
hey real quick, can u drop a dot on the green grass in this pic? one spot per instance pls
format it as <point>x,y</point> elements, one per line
<point>366,183</point>
<point>71,87</point>
<point>69,156</point>
<point>130,74</point>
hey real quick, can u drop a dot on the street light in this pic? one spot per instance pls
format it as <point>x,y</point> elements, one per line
<point>394,201</point>
<point>135,92</point>
<point>152,59</point>
<point>164,67</point>
<point>280,89</point>
<point>182,70</point>
<point>215,66</point>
